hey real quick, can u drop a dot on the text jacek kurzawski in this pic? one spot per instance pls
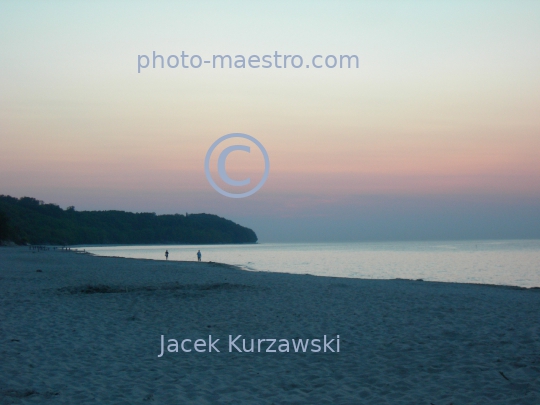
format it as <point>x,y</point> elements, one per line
<point>238,344</point>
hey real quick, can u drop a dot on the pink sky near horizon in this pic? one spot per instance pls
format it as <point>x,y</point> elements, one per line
<point>446,102</point>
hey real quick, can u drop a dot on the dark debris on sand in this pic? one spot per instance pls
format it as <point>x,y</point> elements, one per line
<point>106,289</point>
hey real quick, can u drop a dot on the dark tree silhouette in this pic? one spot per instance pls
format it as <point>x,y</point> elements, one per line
<point>33,221</point>
<point>4,230</point>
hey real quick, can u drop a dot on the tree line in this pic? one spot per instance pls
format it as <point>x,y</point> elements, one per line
<point>27,220</point>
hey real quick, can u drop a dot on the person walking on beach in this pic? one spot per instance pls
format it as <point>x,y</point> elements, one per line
<point>199,256</point>
<point>166,255</point>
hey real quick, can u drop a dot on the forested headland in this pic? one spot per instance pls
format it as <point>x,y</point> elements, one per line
<point>28,220</point>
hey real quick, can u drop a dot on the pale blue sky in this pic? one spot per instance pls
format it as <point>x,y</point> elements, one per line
<point>444,107</point>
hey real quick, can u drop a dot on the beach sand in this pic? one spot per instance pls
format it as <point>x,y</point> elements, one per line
<point>87,330</point>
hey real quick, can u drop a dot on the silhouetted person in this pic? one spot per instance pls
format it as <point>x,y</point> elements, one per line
<point>199,256</point>
<point>166,255</point>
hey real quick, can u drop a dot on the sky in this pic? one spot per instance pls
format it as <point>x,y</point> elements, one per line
<point>436,134</point>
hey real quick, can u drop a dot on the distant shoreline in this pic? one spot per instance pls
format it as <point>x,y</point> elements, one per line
<point>514,287</point>
<point>511,263</point>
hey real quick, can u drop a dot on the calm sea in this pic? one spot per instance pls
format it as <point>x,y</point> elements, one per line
<point>513,262</point>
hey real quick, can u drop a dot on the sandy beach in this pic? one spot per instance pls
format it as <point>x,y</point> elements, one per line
<point>81,329</point>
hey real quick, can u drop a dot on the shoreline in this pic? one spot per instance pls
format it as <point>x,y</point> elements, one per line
<point>87,329</point>
<point>512,264</point>
<point>314,275</point>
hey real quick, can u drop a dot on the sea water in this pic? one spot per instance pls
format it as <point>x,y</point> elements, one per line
<point>512,262</point>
